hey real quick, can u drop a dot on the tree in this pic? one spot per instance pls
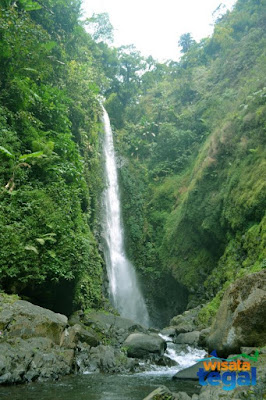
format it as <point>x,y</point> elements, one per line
<point>100,28</point>
<point>186,42</point>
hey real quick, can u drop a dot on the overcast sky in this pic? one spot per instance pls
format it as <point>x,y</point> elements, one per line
<point>154,26</point>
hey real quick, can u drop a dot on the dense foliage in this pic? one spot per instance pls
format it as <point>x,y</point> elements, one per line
<point>50,174</point>
<point>192,144</point>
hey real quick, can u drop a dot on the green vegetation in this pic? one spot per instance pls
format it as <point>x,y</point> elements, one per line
<point>50,176</point>
<point>191,141</point>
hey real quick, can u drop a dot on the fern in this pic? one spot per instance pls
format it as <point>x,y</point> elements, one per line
<point>37,154</point>
<point>5,152</point>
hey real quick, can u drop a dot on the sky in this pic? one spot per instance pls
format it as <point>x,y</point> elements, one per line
<point>154,26</point>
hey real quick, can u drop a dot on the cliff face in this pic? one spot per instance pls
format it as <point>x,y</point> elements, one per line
<point>50,176</point>
<point>191,141</point>
<point>193,162</point>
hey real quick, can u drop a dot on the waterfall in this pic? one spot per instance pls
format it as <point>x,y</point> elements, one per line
<point>124,290</point>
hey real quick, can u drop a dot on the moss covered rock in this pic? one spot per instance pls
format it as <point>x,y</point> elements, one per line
<point>241,318</point>
<point>19,318</point>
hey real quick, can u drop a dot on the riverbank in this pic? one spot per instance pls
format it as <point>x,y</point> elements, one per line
<point>37,344</point>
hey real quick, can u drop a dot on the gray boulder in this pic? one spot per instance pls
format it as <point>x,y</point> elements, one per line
<point>188,317</point>
<point>104,359</point>
<point>31,359</point>
<point>141,345</point>
<point>189,373</point>
<point>191,338</point>
<point>161,393</point>
<point>203,337</point>
<point>186,322</point>
<point>241,317</point>
<point>185,327</point>
<point>25,320</point>
<point>75,318</point>
<point>35,343</point>
<point>71,336</point>
<point>114,328</point>
<point>169,331</point>
<point>218,393</point>
<point>182,396</point>
<point>109,321</point>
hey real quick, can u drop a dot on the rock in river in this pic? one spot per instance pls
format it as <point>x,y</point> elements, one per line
<point>140,345</point>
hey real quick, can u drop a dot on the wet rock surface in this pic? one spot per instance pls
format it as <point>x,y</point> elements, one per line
<point>189,373</point>
<point>141,345</point>
<point>161,393</point>
<point>115,328</point>
<point>184,329</point>
<point>104,359</point>
<point>191,338</point>
<point>37,344</point>
<point>31,359</point>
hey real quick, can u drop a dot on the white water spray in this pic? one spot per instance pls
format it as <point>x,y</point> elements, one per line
<point>124,290</point>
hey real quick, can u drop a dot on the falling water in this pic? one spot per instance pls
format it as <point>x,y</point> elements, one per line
<point>124,290</point>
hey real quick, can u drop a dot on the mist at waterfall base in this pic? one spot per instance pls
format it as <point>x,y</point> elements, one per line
<point>124,290</point>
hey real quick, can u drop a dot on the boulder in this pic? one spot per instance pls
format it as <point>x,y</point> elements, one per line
<point>140,345</point>
<point>185,327</point>
<point>188,318</point>
<point>75,318</point>
<point>107,321</point>
<point>162,361</point>
<point>161,393</point>
<point>153,330</point>
<point>169,331</point>
<point>248,350</point>
<point>22,319</point>
<point>31,359</point>
<point>241,317</point>
<point>190,372</point>
<point>71,336</point>
<point>104,359</point>
<point>218,393</point>
<point>182,396</point>
<point>114,328</point>
<point>203,337</point>
<point>263,350</point>
<point>191,338</point>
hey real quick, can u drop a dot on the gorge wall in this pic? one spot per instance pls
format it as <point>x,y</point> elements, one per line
<point>191,142</point>
<point>192,147</point>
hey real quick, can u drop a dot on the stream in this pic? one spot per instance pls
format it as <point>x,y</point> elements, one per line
<point>98,386</point>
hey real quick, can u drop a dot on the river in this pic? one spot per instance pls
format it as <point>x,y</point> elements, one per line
<point>98,386</point>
